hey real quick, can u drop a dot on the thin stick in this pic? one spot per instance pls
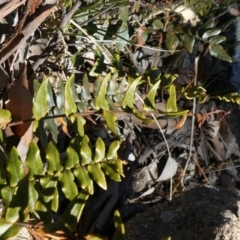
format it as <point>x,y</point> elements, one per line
<point>193,119</point>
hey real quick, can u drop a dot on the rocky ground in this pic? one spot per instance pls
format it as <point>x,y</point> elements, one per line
<point>204,213</point>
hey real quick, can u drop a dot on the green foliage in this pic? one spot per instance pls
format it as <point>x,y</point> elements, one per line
<point>34,188</point>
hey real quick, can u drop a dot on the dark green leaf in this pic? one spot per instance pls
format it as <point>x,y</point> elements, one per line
<point>188,41</point>
<point>51,125</point>
<point>211,32</point>
<point>69,220</point>
<point>171,42</point>
<point>18,205</point>
<point>32,195</point>
<point>14,168</point>
<point>217,51</point>
<point>3,180</point>
<point>217,39</point>
<point>53,159</point>
<point>40,132</point>
<point>44,203</point>
<point>168,79</point>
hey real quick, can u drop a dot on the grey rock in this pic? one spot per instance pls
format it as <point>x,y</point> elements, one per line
<point>204,213</point>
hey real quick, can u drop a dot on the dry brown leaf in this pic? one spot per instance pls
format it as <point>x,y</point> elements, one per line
<point>22,77</point>
<point>139,37</point>
<point>181,122</point>
<point>64,126</point>
<point>200,119</point>
<point>20,105</point>
<point>23,145</point>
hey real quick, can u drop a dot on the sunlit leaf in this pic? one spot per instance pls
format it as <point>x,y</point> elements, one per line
<point>69,187</point>
<point>7,193</point>
<point>99,150</point>
<point>73,155</point>
<point>122,36</point>
<point>95,237</point>
<point>85,94</point>
<point>86,151</point>
<point>112,150</point>
<point>5,118</point>
<point>83,177</point>
<point>53,159</point>
<point>149,101</point>
<point>123,15</point>
<point>114,175</point>
<point>157,24</point>
<point>60,95</point>
<point>120,233</point>
<point>8,230</point>
<point>78,123</point>
<point>55,200</point>
<point>97,174</point>
<point>171,105</point>
<point>43,100</point>
<point>175,114</point>
<point>129,96</point>
<point>111,119</point>
<point>70,92</point>
<point>34,161</point>
<point>101,101</point>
